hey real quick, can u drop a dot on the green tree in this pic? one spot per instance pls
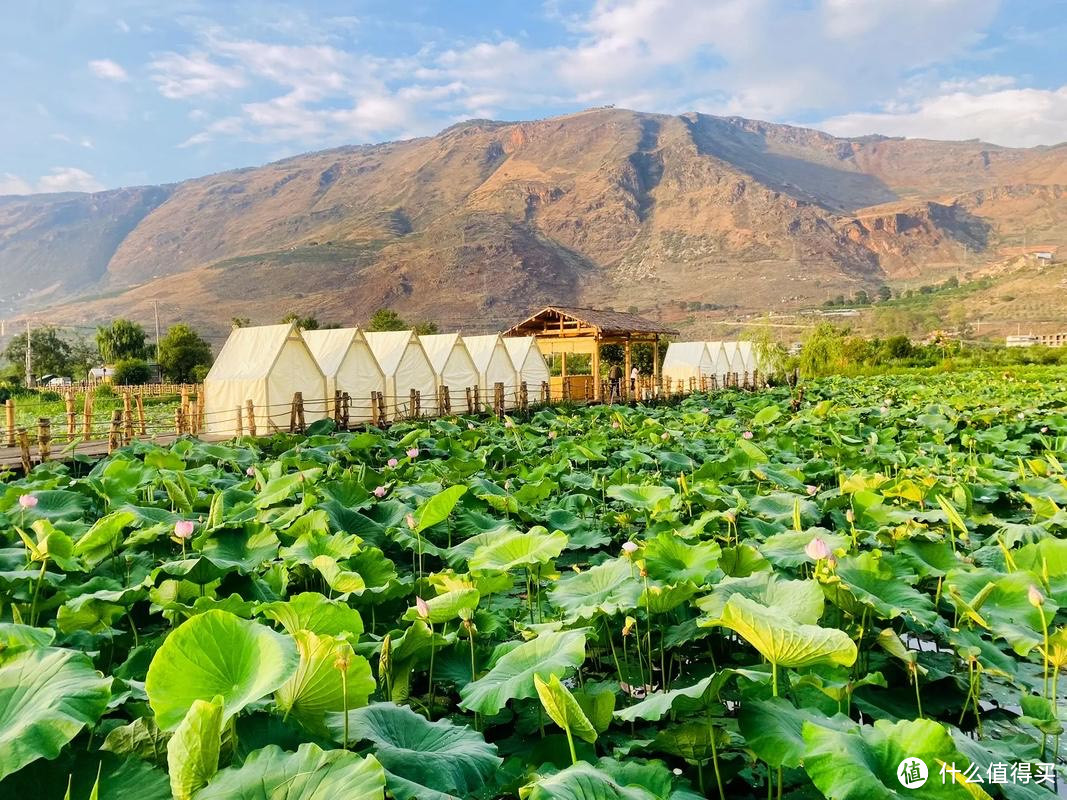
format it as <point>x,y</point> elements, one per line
<point>122,339</point>
<point>823,351</point>
<point>309,323</point>
<point>51,352</point>
<point>861,298</point>
<point>884,293</point>
<point>240,322</point>
<point>131,372</point>
<point>385,319</point>
<point>84,355</point>
<point>182,350</point>
<point>425,328</point>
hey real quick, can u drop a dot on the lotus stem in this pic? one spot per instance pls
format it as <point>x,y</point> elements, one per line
<point>40,580</point>
<point>611,643</point>
<point>915,682</point>
<point>715,766</point>
<point>433,649</point>
<point>570,744</point>
<point>344,705</point>
<point>1045,651</point>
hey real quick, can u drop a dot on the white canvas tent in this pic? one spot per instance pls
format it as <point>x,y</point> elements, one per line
<point>266,365</point>
<point>452,364</point>
<point>687,360</point>
<point>746,355</point>
<point>404,363</point>
<point>528,361</point>
<point>494,366</point>
<point>349,366</point>
<point>732,360</point>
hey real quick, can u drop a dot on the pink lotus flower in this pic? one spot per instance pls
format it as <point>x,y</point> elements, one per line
<point>184,528</point>
<point>884,409</point>
<point>28,501</point>
<point>392,462</point>
<point>1021,415</point>
<point>812,490</point>
<point>730,516</point>
<point>817,549</point>
<point>746,435</point>
<point>1035,597</point>
<point>850,515</point>
<point>470,426</point>
<point>551,434</point>
<point>413,452</point>
<point>379,491</point>
<point>423,608</point>
<point>665,436</point>
<point>509,424</point>
<point>629,547</point>
<point>410,520</point>
<point>1044,429</point>
<point>251,472</point>
<point>615,424</point>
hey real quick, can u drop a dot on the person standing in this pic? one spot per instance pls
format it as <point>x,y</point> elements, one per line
<point>635,373</point>
<point>615,381</point>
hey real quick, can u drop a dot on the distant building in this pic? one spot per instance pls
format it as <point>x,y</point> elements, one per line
<point>1044,254</point>
<point>1034,340</point>
<point>1053,339</point>
<point>101,373</point>
<point>1021,340</point>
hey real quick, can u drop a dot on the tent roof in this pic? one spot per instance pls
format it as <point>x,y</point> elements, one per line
<point>388,347</point>
<point>250,353</point>
<point>439,347</point>
<point>518,347</point>
<point>482,348</point>
<point>606,323</point>
<point>331,346</point>
<point>685,353</point>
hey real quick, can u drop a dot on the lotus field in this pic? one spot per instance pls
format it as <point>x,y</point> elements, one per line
<point>740,595</point>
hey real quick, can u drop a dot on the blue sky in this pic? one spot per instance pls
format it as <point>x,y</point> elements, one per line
<point>105,93</point>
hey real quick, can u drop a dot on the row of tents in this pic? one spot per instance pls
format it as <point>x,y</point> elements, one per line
<point>268,364</point>
<point>695,360</point>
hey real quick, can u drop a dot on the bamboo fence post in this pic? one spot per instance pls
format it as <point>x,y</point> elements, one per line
<point>9,408</point>
<point>44,438</point>
<point>346,410</point>
<point>140,413</point>
<point>72,417</point>
<point>184,394</point>
<point>383,412</point>
<point>470,401</point>
<point>374,410</point>
<point>714,383</point>
<point>240,429</point>
<point>194,417</point>
<point>544,392</point>
<point>498,399</point>
<point>200,408</point>
<point>114,431</point>
<point>24,448</point>
<point>477,398</point>
<point>178,421</point>
<point>418,404</point>
<point>337,407</point>
<point>87,418</point>
<point>127,416</point>
<point>297,413</point>
<point>251,410</point>
<point>292,413</point>
<point>524,396</point>
<point>412,399</point>
<point>735,380</point>
<point>446,402</point>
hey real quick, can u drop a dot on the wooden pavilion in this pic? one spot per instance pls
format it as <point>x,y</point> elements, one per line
<point>563,330</point>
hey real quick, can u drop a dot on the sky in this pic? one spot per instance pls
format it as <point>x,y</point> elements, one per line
<point>99,94</point>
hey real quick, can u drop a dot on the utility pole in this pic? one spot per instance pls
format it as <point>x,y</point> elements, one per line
<point>29,355</point>
<point>155,306</point>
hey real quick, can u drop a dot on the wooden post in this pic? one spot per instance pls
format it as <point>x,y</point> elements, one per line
<point>87,411</point>
<point>692,384</point>
<point>383,413</point>
<point>566,390</point>
<point>413,398</point>
<point>194,417</point>
<point>292,414</point>
<point>127,415</point>
<point>524,396</point>
<point>9,408</point>
<point>44,437</point>
<point>563,366</point>
<point>114,432</point>
<point>446,402</point>
<point>714,383</point>
<point>24,447</point>
<point>179,421</point>
<point>185,402</point>
<point>298,399</point>
<point>374,408</point>
<point>655,365</point>
<point>668,383</point>
<point>140,414</point>
<point>346,410</point>
<point>735,380</point>
<point>544,392</point>
<point>250,410</point>
<point>470,401</point>
<point>477,398</point>
<point>597,394</point>
<point>239,430</point>
<point>498,399</point>
<point>337,407</point>
<point>624,385</point>
<point>72,417</point>
<point>200,408</point>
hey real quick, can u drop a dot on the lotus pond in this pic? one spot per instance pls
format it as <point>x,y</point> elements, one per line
<point>734,596</point>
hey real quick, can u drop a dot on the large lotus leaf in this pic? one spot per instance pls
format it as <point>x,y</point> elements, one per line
<point>585,782</point>
<point>193,750</point>
<point>774,729</point>
<point>513,550</point>
<point>863,763</point>
<point>55,505</point>
<point>670,559</point>
<point>103,538</point>
<point>47,695</point>
<point>787,549</point>
<point>283,487</point>
<point>311,611</point>
<point>312,545</point>
<point>141,738</point>
<point>607,588</point>
<point>784,642</point>
<point>440,756</point>
<point>563,709</point>
<point>1001,604</point>
<point>687,698</point>
<point>217,653</point>
<point>14,636</point>
<point>244,549</point>
<point>317,687</point>
<point>648,498</point>
<point>308,774</point>
<point>874,583</point>
<point>437,508</point>
<point>800,601</point>
<point>78,771</point>
<point>447,606</point>
<point>779,507</point>
<point>512,677</point>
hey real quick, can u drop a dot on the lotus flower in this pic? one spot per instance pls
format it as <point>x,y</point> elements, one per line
<point>615,424</point>
<point>730,516</point>
<point>746,435</point>
<point>812,490</point>
<point>1021,415</point>
<point>392,462</point>
<point>413,452</point>
<point>817,549</point>
<point>629,548</point>
<point>509,424</point>
<point>184,528</point>
<point>251,472</point>
<point>665,436</point>
<point>470,426</point>
<point>1035,597</point>
<point>850,515</point>
<point>410,520</point>
<point>884,409</point>
<point>1044,429</point>
<point>379,491</point>
<point>28,501</point>
<point>551,434</point>
<point>423,607</point>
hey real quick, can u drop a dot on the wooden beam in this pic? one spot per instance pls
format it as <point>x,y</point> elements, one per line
<point>596,371</point>
<point>626,370</point>
<point>655,364</point>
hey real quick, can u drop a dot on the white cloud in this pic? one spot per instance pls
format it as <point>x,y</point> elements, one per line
<point>181,76</point>
<point>68,179</point>
<point>13,184</point>
<point>108,70</point>
<point>1013,117</point>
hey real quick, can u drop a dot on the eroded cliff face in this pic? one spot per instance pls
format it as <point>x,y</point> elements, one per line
<point>478,224</point>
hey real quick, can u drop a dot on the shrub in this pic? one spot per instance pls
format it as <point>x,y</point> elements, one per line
<point>131,372</point>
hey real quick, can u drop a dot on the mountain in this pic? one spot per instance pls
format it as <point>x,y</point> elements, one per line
<point>476,226</point>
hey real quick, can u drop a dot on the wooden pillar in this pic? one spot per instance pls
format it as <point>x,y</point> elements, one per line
<point>498,399</point>
<point>24,448</point>
<point>194,417</point>
<point>628,361</point>
<point>114,432</point>
<point>140,413</point>
<point>346,410</point>
<point>545,396</point>
<point>250,409</point>
<point>337,407</point>
<point>563,366</point>
<point>446,402</point>
<point>477,398</point>
<point>524,396</point>
<point>72,417</point>
<point>9,408</point>
<point>292,413</point>
<point>655,365</point>
<point>44,438</point>
<point>412,401</point>
<point>127,416</point>
<point>299,397</point>
<point>470,401</point>
<point>87,411</point>
<point>597,395</point>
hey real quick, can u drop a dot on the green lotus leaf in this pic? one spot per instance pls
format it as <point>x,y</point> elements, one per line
<point>308,774</point>
<point>317,686</point>
<point>283,487</point>
<point>585,782</point>
<point>607,588</point>
<point>671,560</point>
<point>141,738</point>
<point>311,611</point>
<point>193,750</point>
<point>875,583</point>
<point>786,549</point>
<point>512,677</point>
<point>103,538</point>
<point>447,606</point>
<point>47,695</point>
<point>80,774</point>
<point>864,762</point>
<point>438,756</point>
<point>513,550</point>
<point>217,653</point>
<point>774,729</point>
<point>437,509</point>
<point>337,577</point>
<point>647,498</point>
<point>687,698</point>
<point>800,601</point>
<point>15,637</point>
<point>784,642</point>
<point>563,709</point>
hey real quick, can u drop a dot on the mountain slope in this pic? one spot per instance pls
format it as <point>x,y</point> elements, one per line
<point>479,224</point>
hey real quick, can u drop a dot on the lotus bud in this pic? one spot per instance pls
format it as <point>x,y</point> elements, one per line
<point>1035,597</point>
<point>392,462</point>
<point>629,548</point>
<point>1021,415</point>
<point>817,549</point>
<point>665,436</point>
<point>615,424</point>
<point>730,516</point>
<point>747,435</point>
<point>508,423</point>
<point>28,501</point>
<point>386,658</point>
<point>342,661</point>
<point>410,521</point>
<point>1044,429</point>
<point>850,515</point>
<point>812,490</point>
<point>628,626</point>
<point>643,569</point>
<point>470,426</point>
<point>379,491</point>
<point>413,452</point>
<point>423,608</point>
<point>183,529</point>
<point>251,472</point>
<point>551,434</point>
